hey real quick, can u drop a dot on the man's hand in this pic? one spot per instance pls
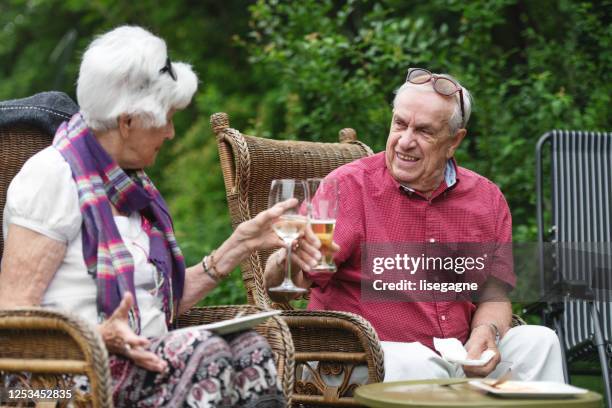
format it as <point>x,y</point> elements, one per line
<point>305,254</point>
<point>307,251</point>
<point>481,339</point>
<point>120,339</point>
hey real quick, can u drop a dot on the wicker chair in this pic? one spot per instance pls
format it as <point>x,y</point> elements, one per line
<point>49,344</point>
<point>337,340</point>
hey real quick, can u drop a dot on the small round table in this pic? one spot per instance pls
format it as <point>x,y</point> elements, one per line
<point>455,393</point>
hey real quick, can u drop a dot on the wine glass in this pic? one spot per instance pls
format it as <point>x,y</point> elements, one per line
<point>291,224</point>
<point>323,212</point>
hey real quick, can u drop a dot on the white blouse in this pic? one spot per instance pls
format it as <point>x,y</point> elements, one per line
<point>43,197</point>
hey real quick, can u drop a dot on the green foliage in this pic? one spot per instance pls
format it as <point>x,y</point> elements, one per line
<point>531,67</point>
<point>305,69</point>
<point>41,42</point>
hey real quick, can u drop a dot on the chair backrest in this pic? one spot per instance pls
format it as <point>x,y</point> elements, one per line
<point>27,126</point>
<point>249,165</point>
<point>17,144</point>
<point>579,170</point>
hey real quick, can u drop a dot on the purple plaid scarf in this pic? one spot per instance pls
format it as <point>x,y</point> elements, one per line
<point>101,182</point>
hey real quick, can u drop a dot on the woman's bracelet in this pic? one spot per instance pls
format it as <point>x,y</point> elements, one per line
<point>210,269</point>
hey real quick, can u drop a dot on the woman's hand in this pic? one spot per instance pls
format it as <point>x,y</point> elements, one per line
<point>249,236</point>
<point>121,339</point>
<point>257,233</point>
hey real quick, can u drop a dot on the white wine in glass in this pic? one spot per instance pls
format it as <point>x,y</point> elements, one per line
<point>323,213</point>
<point>291,224</point>
<point>289,227</point>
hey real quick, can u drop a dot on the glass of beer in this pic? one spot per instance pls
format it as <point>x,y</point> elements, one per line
<point>323,212</point>
<point>291,224</point>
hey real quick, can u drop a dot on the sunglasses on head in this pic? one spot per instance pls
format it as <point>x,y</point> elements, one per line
<point>168,68</point>
<point>442,85</point>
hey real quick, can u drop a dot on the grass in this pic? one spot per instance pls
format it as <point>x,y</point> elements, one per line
<point>590,382</point>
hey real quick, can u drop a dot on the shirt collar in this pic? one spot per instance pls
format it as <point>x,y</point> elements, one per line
<point>450,177</point>
<point>450,173</point>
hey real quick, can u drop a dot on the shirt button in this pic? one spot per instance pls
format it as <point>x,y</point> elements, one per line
<point>442,317</point>
<point>432,240</point>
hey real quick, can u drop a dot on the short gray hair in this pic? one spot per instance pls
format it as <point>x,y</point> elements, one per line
<point>455,122</point>
<point>121,73</point>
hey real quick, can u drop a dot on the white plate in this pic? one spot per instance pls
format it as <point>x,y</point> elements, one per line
<point>236,324</point>
<point>530,389</point>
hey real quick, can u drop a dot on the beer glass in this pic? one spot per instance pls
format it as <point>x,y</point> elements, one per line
<point>322,217</point>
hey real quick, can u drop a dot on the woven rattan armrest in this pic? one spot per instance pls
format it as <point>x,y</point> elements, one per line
<point>338,342</point>
<point>41,341</point>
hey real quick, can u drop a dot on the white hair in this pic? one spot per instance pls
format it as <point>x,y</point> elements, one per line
<point>455,123</point>
<point>121,73</point>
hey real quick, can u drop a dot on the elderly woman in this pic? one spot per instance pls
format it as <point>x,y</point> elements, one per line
<point>87,231</point>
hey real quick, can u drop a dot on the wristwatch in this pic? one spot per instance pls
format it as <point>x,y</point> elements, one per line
<point>494,328</point>
<point>495,331</point>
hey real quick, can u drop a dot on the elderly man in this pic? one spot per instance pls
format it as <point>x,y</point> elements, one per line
<point>415,192</point>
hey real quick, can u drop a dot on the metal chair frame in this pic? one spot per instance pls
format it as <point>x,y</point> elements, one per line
<point>580,178</point>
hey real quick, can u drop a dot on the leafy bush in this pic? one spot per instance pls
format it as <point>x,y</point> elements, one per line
<point>531,67</point>
<point>305,69</point>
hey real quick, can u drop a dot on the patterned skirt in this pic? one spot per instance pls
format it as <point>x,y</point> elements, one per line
<point>204,370</point>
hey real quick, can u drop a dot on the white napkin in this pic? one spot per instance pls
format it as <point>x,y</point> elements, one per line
<point>453,351</point>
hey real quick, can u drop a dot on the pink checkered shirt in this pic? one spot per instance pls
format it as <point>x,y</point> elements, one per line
<point>374,208</point>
